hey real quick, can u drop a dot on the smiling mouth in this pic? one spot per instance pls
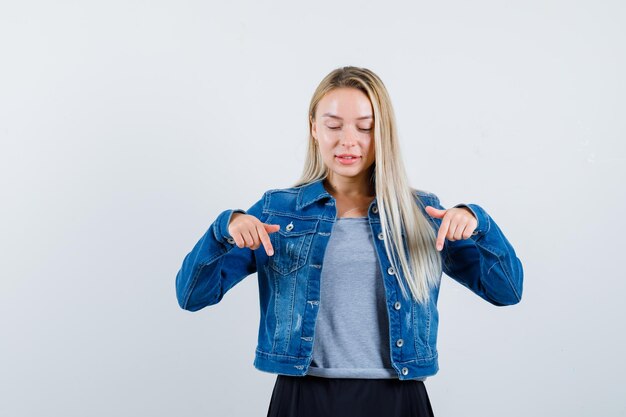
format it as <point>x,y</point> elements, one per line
<point>348,160</point>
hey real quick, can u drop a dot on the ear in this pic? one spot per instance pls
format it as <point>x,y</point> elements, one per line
<point>313,128</point>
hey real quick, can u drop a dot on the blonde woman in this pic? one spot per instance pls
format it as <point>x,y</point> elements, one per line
<point>349,261</point>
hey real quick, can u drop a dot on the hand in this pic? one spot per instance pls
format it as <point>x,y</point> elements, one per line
<point>249,232</point>
<point>458,223</point>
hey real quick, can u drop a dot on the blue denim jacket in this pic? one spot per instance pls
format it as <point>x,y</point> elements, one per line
<point>289,281</point>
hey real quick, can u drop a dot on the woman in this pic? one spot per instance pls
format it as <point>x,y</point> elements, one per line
<point>340,248</point>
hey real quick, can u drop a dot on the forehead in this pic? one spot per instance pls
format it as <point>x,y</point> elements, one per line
<point>345,103</point>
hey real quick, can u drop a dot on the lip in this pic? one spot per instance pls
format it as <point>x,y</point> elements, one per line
<point>345,161</point>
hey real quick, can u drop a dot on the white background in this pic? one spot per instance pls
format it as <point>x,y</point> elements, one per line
<point>127,126</point>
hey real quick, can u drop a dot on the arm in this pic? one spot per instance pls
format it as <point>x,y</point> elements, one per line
<point>486,262</point>
<point>215,264</point>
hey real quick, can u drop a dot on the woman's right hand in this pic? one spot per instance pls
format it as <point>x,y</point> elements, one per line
<point>249,232</point>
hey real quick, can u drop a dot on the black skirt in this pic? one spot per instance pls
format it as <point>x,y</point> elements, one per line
<point>312,396</point>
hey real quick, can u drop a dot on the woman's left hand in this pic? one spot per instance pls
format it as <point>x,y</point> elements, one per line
<point>457,223</point>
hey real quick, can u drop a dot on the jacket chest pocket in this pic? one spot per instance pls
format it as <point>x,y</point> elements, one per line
<point>291,243</point>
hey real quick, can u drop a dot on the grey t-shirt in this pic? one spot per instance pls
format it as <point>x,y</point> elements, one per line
<point>351,338</point>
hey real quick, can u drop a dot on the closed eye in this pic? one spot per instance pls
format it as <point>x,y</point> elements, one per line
<point>339,127</point>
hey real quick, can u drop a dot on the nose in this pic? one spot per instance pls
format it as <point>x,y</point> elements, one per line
<point>347,138</point>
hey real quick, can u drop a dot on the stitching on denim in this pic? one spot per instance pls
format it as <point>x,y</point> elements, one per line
<point>427,335</point>
<point>295,234</point>
<point>291,308</point>
<point>260,352</point>
<point>488,222</point>
<point>219,255</point>
<point>292,215</point>
<point>322,217</point>
<point>289,190</point>
<point>416,333</point>
<point>487,248</point>
<point>300,260</point>
<point>194,279</point>
<point>276,319</point>
<point>506,274</point>
<point>430,358</point>
<point>309,228</point>
<point>306,313</point>
<point>192,286</point>
<point>266,204</point>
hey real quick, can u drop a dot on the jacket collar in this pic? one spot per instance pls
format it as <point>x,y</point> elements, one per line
<point>310,193</point>
<point>313,191</point>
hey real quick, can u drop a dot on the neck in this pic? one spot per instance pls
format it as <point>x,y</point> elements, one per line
<point>349,187</point>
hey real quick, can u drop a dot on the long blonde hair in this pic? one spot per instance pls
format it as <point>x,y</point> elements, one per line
<point>416,253</point>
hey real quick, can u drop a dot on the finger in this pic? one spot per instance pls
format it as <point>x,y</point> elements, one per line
<point>265,239</point>
<point>459,221</point>
<point>434,212</point>
<point>271,228</point>
<point>468,231</point>
<point>458,233</point>
<point>452,229</point>
<point>238,240</point>
<point>256,237</point>
<point>248,238</point>
<point>467,224</point>
<point>443,229</point>
<point>256,242</point>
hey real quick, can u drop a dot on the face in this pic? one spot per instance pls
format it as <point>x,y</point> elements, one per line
<point>344,131</point>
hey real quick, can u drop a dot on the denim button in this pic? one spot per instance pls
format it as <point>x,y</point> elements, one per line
<point>391,271</point>
<point>474,233</point>
<point>374,209</point>
<point>405,371</point>
<point>380,236</point>
<point>289,227</point>
<point>400,342</point>
<point>397,305</point>
<point>230,240</point>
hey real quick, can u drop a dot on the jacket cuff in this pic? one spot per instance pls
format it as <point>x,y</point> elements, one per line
<point>221,230</point>
<point>481,216</point>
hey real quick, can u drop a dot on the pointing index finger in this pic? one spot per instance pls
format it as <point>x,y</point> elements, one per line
<point>265,240</point>
<point>443,230</point>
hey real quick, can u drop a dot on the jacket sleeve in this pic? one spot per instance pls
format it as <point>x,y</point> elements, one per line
<point>486,262</point>
<point>216,263</point>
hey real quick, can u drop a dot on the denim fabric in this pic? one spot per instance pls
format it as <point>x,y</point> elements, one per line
<point>289,281</point>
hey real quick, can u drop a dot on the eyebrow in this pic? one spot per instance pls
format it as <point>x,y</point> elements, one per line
<point>334,116</point>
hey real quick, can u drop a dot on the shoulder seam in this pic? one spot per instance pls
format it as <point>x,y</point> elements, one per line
<point>290,190</point>
<point>424,193</point>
